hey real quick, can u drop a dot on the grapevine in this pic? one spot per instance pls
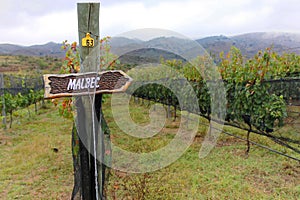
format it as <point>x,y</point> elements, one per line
<point>251,99</point>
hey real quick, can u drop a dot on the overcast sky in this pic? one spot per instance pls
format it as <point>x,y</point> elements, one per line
<point>37,21</point>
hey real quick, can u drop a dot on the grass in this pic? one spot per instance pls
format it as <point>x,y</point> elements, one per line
<point>30,168</point>
<point>226,173</point>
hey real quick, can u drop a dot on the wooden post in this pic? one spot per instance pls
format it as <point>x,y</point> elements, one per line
<point>88,86</point>
<point>88,22</point>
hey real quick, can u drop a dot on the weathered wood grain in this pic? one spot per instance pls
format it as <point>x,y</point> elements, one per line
<point>79,84</point>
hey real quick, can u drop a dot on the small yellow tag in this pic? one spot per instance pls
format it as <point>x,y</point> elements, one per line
<point>87,41</point>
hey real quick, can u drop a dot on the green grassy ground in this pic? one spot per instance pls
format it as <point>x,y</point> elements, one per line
<point>32,168</point>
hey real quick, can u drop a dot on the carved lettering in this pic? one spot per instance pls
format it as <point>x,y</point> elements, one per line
<point>83,83</point>
<point>72,84</point>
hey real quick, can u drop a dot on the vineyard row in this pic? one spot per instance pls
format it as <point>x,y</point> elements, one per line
<point>261,113</point>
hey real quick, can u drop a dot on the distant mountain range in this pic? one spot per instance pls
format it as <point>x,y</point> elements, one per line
<point>249,44</point>
<point>49,49</point>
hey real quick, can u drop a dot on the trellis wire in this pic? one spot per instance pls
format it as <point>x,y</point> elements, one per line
<point>14,84</point>
<point>289,88</point>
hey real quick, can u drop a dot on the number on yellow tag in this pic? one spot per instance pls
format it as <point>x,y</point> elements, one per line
<point>87,41</point>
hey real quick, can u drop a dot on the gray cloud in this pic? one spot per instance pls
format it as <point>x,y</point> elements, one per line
<point>20,12</point>
<point>37,21</point>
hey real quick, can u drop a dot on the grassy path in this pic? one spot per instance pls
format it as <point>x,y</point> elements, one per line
<point>36,163</point>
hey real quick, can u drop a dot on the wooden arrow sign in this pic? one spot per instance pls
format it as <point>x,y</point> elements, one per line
<point>65,85</point>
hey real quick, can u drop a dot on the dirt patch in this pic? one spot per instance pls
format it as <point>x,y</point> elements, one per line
<point>267,183</point>
<point>291,173</point>
<point>13,68</point>
<point>5,140</point>
<point>261,181</point>
<point>229,141</point>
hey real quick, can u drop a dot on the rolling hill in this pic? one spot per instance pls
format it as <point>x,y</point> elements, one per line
<point>50,49</point>
<point>249,44</point>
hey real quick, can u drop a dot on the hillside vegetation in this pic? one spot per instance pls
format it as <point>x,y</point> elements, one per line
<point>29,64</point>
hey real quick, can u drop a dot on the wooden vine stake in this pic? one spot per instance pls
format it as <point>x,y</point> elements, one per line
<point>88,87</point>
